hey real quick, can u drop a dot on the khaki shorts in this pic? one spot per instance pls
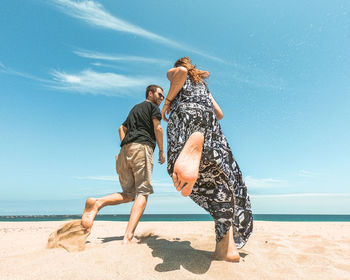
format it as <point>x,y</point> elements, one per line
<point>134,167</point>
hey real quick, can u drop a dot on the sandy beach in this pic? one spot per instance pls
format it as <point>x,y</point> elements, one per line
<point>177,250</point>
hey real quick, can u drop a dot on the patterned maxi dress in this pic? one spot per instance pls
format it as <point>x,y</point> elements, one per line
<point>219,189</point>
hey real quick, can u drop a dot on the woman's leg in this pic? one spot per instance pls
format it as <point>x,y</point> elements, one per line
<point>218,200</point>
<point>226,249</point>
<point>187,164</point>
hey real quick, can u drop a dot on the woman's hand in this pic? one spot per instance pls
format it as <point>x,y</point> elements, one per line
<point>177,77</point>
<point>166,110</point>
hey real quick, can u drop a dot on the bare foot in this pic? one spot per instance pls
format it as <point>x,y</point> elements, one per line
<point>187,164</point>
<point>90,212</point>
<point>128,242</point>
<point>232,256</point>
<point>129,239</point>
<point>226,249</point>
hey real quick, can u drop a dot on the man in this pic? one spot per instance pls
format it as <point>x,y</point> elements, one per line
<point>134,164</point>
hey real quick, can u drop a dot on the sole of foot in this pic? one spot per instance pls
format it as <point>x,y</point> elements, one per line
<point>186,167</point>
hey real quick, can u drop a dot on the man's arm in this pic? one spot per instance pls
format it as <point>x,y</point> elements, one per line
<point>122,132</point>
<point>158,131</point>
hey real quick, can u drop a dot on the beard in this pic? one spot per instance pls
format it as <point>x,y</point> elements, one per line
<point>155,100</point>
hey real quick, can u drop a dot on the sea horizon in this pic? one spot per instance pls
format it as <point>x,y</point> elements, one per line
<point>180,217</point>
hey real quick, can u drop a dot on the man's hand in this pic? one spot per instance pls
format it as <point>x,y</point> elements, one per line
<point>161,158</point>
<point>165,111</point>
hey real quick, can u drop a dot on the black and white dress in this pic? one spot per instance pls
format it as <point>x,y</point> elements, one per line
<point>220,188</point>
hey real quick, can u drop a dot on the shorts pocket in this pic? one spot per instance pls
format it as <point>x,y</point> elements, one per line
<point>117,163</point>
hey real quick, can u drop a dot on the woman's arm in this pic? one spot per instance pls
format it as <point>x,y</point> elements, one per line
<point>218,112</point>
<point>177,77</point>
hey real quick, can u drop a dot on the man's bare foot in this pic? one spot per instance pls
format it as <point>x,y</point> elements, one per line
<point>187,164</point>
<point>129,239</point>
<point>90,212</point>
<point>226,249</point>
<point>128,242</point>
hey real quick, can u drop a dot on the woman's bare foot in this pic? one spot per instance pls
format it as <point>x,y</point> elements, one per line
<point>232,256</point>
<point>226,249</point>
<point>90,212</point>
<point>187,164</point>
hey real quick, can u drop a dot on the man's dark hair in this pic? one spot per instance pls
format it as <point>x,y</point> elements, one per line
<point>152,88</point>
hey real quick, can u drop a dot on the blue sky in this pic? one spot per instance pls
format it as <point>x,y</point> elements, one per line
<point>70,71</point>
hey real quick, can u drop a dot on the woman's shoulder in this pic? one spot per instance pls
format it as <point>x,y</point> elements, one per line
<point>176,71</point>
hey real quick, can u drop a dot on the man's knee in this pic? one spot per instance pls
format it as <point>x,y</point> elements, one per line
<point>129,196</point>
<point>142,196</point>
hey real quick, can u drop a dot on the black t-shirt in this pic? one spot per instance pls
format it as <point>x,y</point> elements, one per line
<point>139,124</point>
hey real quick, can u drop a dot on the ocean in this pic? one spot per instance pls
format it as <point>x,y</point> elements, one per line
<point>179,218</point>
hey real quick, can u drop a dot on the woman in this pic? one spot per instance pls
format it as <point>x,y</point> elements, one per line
<point>200,161</point>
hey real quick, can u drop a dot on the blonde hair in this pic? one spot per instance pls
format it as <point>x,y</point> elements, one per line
<point>196,75</point>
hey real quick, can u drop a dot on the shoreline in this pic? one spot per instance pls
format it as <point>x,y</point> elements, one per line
<point>180,217</point>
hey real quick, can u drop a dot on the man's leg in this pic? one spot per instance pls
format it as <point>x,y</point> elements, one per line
<point>93,205</point>
<point>135,216</point>
<point>142,166</point>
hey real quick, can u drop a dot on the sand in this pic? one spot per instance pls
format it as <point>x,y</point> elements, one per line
<point>177,250</point>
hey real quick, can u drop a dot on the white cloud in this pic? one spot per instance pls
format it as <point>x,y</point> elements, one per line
<point>307,174</point>
<point>88,81</point>
<point>263,182</point>
<point>255,78</point>
<point>94,14</point>
<point>300,195</point>
<point>9,71</point>
<point>301,203</point>
<point>167,183</point>
<point>113,57</point>
<point>98,178</point>
<point>163,189</point>
<point>105,65</point>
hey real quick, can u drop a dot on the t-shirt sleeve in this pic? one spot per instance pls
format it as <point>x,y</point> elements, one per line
<point>156,113</point>
<point>125,123</point>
